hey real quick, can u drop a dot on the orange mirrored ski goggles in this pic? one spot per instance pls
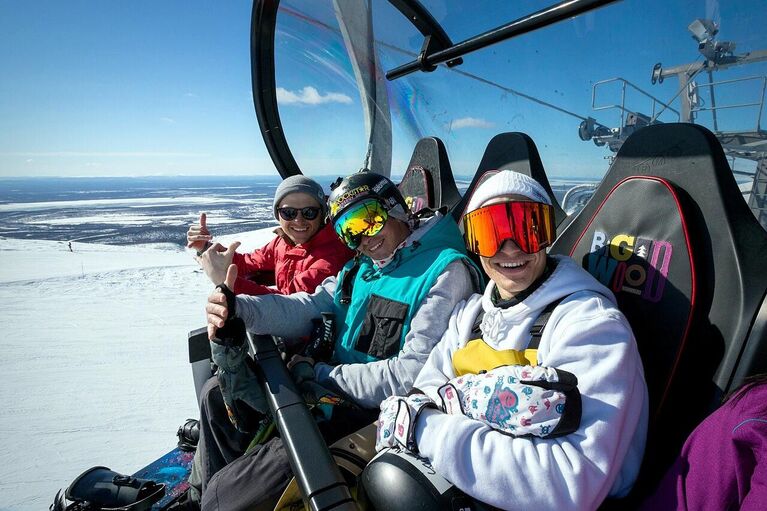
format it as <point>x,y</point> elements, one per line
<point>529,224</point>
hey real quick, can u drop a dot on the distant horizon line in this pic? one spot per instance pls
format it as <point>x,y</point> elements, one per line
<point>240,176</point>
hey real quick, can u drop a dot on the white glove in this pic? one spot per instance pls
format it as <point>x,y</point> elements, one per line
<point>397,420</point>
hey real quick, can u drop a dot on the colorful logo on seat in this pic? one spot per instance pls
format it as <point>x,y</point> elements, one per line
<point>415,203</point>
<point>630,264</point>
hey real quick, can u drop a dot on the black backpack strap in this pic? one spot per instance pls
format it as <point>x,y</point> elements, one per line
<point>536,330</point>
<point>476,330</point>
<point>347,283</point>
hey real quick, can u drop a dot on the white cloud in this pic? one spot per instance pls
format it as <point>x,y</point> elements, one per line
<point>190,95</point>
<point>470,122</point>
<point>167,120</point>
<point>310,96</point>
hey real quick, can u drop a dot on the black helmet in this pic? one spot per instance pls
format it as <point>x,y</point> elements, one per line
<point>366,185</point>
<point>400,480</point>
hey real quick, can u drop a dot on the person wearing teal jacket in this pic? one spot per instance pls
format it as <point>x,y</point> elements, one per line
<point>391,303</point>
<point>407,279</point>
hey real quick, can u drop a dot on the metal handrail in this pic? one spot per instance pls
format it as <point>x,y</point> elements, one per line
<point>760,103</point>
<point>622,106</point>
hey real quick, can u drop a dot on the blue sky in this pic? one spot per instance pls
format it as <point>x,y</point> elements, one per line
<point>163,87</point>
<point>107,87</point>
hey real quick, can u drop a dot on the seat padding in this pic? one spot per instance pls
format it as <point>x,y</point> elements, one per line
<point>510,151</point>
<point>428,181</point>
<point>669,232</point>
<point>649,266</point>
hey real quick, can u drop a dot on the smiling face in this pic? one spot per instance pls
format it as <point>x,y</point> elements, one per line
<point>512,270</point>
<point>299,230</point>
<point>383,244</point>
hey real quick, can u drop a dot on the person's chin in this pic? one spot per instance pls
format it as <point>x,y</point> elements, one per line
<point>513,281</point>
<point>510,288</point>
<point>300,236</point>
<point>376,250</point>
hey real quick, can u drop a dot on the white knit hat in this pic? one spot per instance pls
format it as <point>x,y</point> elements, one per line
<point>507,182</point>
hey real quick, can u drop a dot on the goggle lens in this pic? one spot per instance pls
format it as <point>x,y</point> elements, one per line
<point>309,213</point>
<point>529,224</point>
<point>364,219</point>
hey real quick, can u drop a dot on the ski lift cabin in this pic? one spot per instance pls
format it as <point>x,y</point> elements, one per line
<point>666,208</point>
<point>450,72</point>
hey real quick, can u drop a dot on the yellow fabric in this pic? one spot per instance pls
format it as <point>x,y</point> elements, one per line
<point>478,356</point>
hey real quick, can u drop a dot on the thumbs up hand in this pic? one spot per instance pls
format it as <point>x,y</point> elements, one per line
<point>221,303</point>
<point>198,236</point>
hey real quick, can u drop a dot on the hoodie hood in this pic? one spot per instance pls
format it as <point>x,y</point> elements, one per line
<point>566,279</point>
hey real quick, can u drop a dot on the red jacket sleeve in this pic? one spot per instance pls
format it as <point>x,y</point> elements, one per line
<point>261,259</point>
<point>309,279</point>
<point>244,286</point>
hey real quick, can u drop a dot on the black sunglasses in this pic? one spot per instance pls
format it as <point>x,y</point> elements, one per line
<point>309,213</point>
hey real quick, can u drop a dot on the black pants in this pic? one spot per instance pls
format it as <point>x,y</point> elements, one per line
<point>233,480</point>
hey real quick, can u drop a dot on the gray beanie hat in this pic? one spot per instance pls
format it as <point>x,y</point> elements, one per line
<point>301,184</point>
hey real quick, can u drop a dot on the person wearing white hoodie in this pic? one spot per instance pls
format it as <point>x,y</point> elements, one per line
<point>481,451</point>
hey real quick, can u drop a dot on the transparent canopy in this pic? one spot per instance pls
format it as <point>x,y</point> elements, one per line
<point>596,77</point>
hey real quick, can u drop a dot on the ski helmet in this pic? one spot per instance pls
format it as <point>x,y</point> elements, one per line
<point>400,480</point>
<point>367,185</point>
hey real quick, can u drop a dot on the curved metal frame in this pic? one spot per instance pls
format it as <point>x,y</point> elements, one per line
<point>437,49</point>
<point>262,24</point>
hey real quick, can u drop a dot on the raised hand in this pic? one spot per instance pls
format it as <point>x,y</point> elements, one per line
<point>215,261</point>
<point>198,236</point>
<point>217,308</point>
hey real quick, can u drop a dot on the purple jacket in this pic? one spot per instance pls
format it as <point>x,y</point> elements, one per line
<point>723,464</point>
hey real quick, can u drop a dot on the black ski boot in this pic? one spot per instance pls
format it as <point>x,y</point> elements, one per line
<point>188,435</point>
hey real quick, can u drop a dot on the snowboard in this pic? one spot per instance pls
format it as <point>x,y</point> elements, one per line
<point>172,469</point>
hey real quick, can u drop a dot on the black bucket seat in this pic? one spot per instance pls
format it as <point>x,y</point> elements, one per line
<point>510,151</point>
<point>428,181</point>
<point>669,232</point>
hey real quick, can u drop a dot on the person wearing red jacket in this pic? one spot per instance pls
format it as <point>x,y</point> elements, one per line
<point>304,253</point>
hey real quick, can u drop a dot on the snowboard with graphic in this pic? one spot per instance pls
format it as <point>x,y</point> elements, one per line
<point>172,470</point>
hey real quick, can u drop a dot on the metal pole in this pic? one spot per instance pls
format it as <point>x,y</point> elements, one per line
<point>713,100</point>
<point>543,18</point>
<point>319,479</point>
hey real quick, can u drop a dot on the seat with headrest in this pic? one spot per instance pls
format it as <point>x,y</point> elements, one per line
<point>668,231</point>
<point>428,181</point>
<point>510,151</point>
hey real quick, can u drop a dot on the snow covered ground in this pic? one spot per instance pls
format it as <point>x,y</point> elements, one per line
<point>94,367</point>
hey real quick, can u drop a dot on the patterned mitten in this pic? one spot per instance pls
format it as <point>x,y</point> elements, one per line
<point>517,400</point>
